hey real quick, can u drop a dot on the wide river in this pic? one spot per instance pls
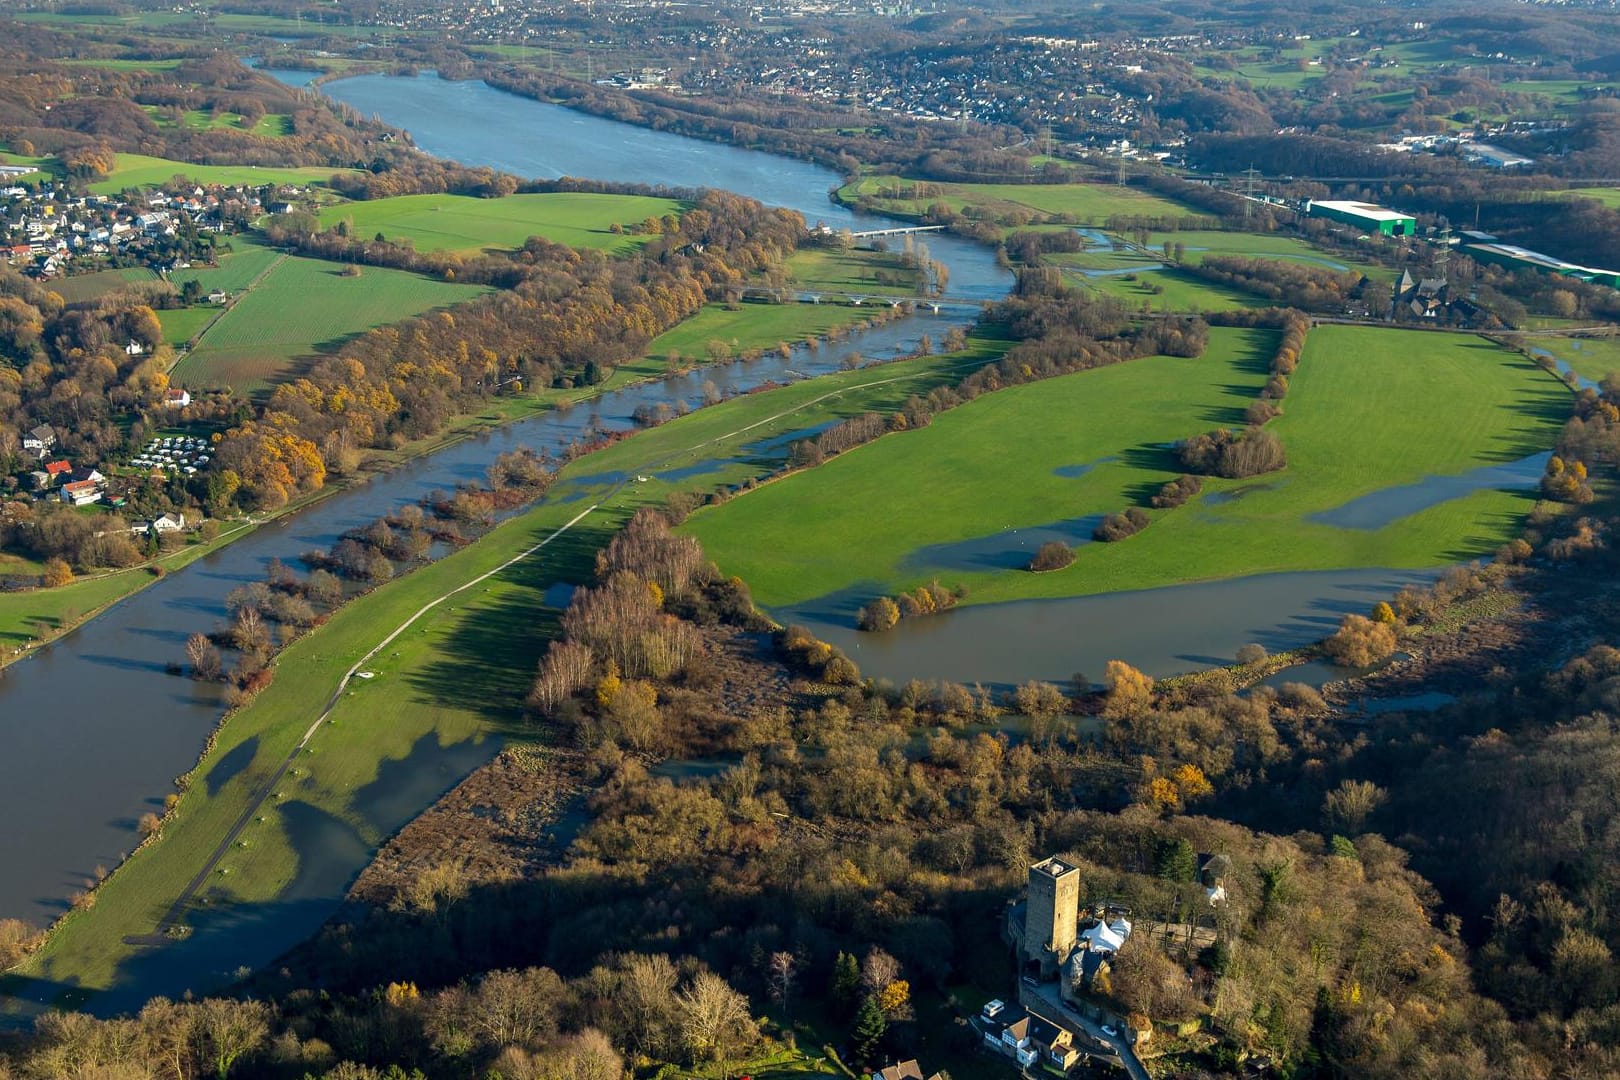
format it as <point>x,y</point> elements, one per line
<point>92,730</point>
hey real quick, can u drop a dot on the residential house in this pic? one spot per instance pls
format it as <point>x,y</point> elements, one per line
<point>58,470</point>
<point>1052,1043</point>
<point>134,348</point>
<point>171,522</point>
<point>176,398</point>
<point>40,440</point>
<point>1013,1040</point>
<point>904,1070</point>
<point>81,492</point>
<point>84,472</point>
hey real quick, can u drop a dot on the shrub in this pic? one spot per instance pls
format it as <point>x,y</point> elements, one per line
<point>1119,526</point>
<point>1051,556</point>
<point>1360,642</point>
<point>1233,454</point>
<point>1176,492</point>
<point>1251,654</point>
<point>881,614</point>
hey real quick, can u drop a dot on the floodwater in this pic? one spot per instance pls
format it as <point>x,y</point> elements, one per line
<point>92,730</point>
<point>1379,508</point>
<point>1163,632</point>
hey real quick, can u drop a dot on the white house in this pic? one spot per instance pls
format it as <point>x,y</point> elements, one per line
<point>134,348</point>
<point>168,523</point>
<point>81,492</point>
<point>39,441</point>
<point>176,398</point>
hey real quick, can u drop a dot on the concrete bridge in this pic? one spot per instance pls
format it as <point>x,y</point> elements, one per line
<point>898,231</point>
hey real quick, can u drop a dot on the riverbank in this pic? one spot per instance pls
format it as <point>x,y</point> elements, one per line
<point>442,699</point>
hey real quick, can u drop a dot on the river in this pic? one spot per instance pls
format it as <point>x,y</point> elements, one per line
<point>92,731</point>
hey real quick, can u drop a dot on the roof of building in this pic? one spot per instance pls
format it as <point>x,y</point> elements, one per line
<point>1361,209</point>
<point>1106,937</point>
<point>905,1070</point>
<point>80,485</point>
<point>56,468</point>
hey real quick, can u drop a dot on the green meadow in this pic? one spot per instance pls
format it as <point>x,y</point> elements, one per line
<point>300,308</point>
<point>464,224</point>
<point>139,170</point>
<point>1091,204</point>
<point>1360,417</point>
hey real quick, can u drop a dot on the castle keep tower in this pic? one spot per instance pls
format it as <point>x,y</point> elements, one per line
<point>1052,915</point>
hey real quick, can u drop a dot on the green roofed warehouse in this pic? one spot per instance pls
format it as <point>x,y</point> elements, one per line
<point>1374,219</point>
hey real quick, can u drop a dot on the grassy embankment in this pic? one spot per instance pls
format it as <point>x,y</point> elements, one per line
<point>459,674</point>
<point>1361,416</point>
<point>1090,204</point>
<point>467,225</point>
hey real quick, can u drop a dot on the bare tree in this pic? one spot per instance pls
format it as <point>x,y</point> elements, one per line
<point>878,970</point>
<point>715,1020</point>
<point>205,663</point>
<point>781,970</point>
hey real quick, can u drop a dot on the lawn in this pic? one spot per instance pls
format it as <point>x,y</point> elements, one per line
<point>1360,418</point>
<point>469,225</point>
<point>455,680</point>
<point>257,342</point>
<point>236,268</point>
<point>138,170</point>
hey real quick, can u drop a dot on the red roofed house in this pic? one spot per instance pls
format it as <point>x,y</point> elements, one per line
<point>58,469</point>
<point>175,398</point>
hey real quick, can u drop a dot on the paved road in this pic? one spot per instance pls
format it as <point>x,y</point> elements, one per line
<point>1048,993</point>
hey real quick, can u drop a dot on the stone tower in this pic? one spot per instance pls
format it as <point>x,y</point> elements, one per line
<point>1052,915</point>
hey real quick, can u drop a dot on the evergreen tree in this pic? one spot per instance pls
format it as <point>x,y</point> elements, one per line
<point>846,983</point>
<point>870,1026</point>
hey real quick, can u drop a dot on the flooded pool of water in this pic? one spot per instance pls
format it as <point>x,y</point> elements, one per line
<point>1380,508</point>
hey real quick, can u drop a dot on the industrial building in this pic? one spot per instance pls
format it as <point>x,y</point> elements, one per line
<point>1484,248</point>
<point>1374,219</point>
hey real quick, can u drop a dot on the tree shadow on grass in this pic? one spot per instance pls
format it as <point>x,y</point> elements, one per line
<point>487,662</point>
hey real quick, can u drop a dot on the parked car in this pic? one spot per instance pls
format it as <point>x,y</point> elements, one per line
<point>1109,1031</point>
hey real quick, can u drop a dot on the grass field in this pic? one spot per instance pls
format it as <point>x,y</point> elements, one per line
<point>459,675</point>
<point>824,270</point>
<point>1265,245</point>
<point>1608,196</point>
<point>138,170</point>
<point>128,65</point>
<point>752,326</point>
<point>464,224</point>
<point>89,286</point>
<point>1168,290</point>
<point>1088,204</point>
<point>1360,418</point>
<point>258,340</point>
<point>236,269</point>
<point>180,325</point>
